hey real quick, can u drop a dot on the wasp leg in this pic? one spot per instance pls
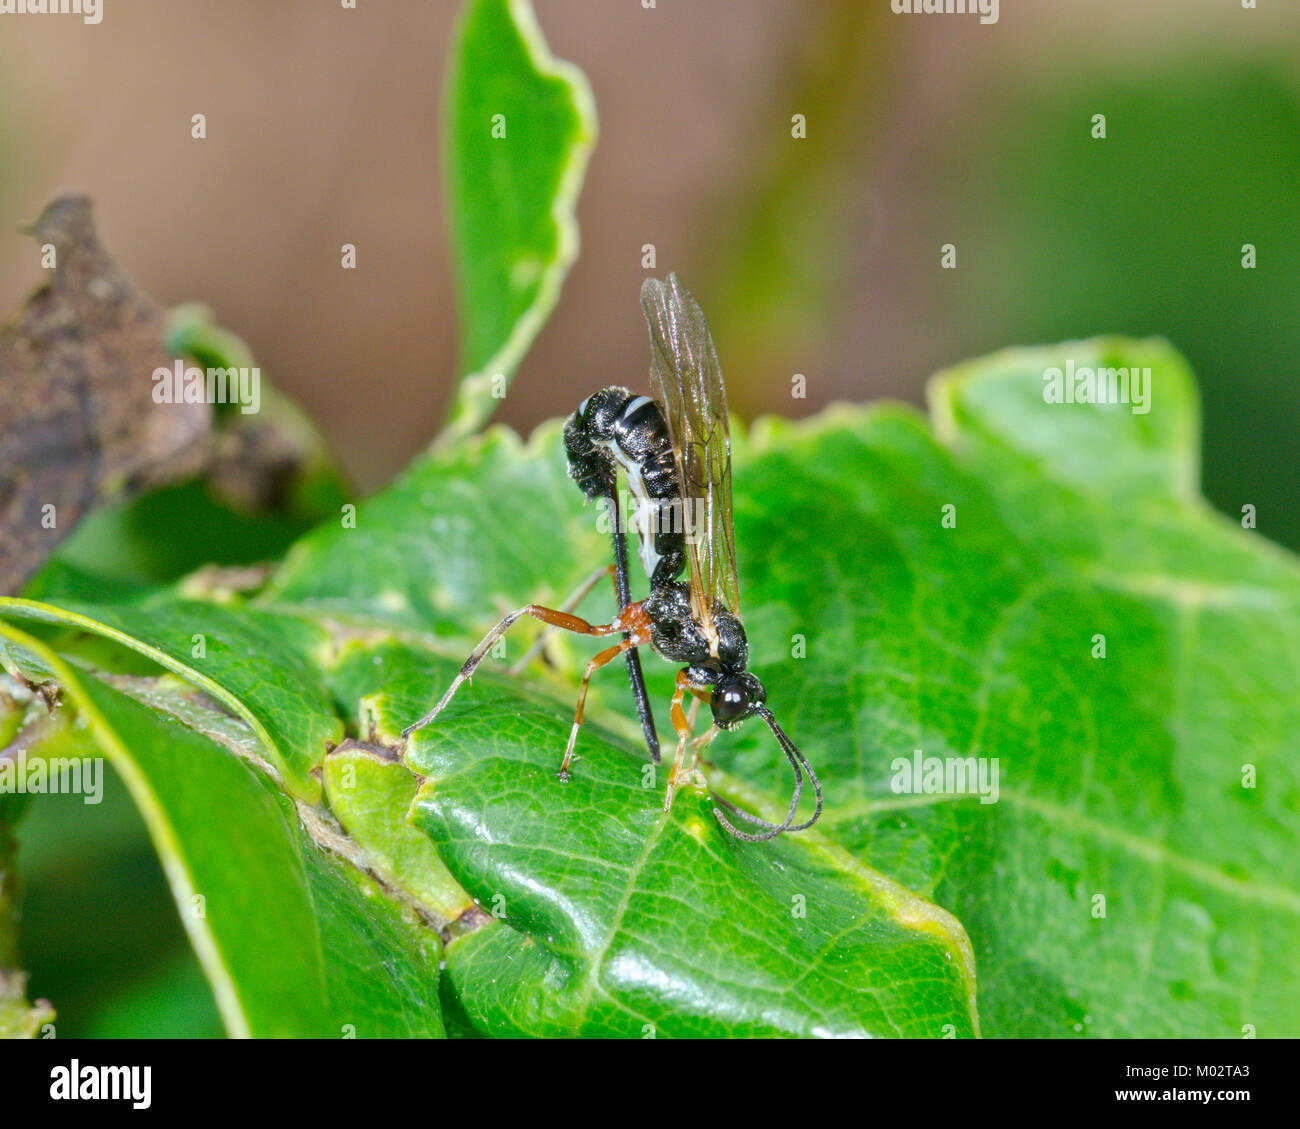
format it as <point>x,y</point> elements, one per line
<point>694,712</point>
<point>682,725</point>
<point>623,590</point>
<point>605,657</point>
<point>702,742</point>
<point>579,594</point>
<point>548,616</point>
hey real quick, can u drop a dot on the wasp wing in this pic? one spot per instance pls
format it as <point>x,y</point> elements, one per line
<point>687,380</point>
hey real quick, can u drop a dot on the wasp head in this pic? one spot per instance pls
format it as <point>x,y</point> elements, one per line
<point>735,698</point>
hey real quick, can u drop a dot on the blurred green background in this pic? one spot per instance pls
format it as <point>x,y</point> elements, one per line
<point>818,256</point>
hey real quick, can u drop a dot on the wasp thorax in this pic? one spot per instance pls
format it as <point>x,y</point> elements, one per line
<point>733,647</point>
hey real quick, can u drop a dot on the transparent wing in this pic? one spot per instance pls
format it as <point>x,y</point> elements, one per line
<point>687,380</point>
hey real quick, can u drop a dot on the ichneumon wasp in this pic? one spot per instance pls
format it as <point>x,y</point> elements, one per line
<point>675,453</point>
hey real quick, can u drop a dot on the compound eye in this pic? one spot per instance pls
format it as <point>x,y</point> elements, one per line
<point>730,702</point>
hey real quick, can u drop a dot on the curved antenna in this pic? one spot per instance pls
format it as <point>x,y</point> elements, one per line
<point>800,765</point>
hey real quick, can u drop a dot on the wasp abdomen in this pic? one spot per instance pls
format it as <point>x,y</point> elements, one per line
<point>586,435</point>
<point>615,429</point>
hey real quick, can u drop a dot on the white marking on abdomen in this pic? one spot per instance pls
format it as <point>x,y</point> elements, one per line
<point>645,518</point>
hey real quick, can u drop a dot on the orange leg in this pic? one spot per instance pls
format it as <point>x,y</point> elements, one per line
<point>606,656</point>
<point>682,726</point>
<point>572,602</point>
<point>548,616</point>
<point>695,711</point>
<point>704,741</point>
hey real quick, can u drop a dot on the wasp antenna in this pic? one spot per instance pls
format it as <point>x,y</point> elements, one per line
<point>773,829</point>
<point>792,751</point>
<point>800,765</point>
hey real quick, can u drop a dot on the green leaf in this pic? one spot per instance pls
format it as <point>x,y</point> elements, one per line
<point>619,920</point>
<point>1120,776</point>
<point>228,654</point>
<point>294,942</point>
<point>457,536</point>
<point>520,127</point>
<point>370,793</point>
<point>577,870</point>
<point>1163,777</point>
<point>18,1018</point>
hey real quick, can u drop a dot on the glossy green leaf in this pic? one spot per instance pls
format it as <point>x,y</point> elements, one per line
<point>294,941</point>
<point>520,127</point>
<point>1071,521</point>
<point>370,794</point>
<point>655,924</point>
<point>600,915</point>
<point>1160,778</point>
<point>1164,777</point>
<point>251,662</point>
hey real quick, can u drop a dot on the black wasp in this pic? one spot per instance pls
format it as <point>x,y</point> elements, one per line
<point>675,452</point>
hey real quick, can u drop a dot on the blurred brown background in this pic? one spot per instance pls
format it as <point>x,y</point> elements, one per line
<point>817,256</point>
